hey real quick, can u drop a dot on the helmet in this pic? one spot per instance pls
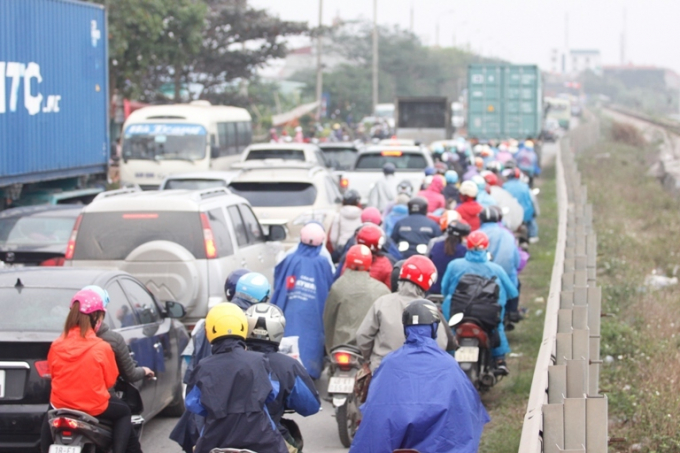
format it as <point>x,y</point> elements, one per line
<point>491,179</point>
<point>479,163</point>
<point>351,197</point>
<point>420,271</point>
<point>529,144</point>
<point>491,214</point>
<point>469,188</point>
<point>494,166</point>
<point>417,205</point>
<point>371,215</point>
<point>513,149</point>
<point>458,228</point>
<point>405,187</point>
<point>440,168</point>
<point>371,236</point>
<point>90,301</point>
<point>336,126</point>
<point>266,322</point>
<point>451,177</point>
<point>389,168</point>
<point>420,312</point>
<point>448,217</point>
<point>486,151</point>
<point>429,171</point>
<point>478,149</point>
<point>104,294</point>
<point>312,234</point>
<point>477,240</point>
<point>359,258</point>
<point>480,181</point>
<point>224,320</point>
<point>394,276</point>
<point>253,287</point>
<point>511,173</point>
<point>232,280</point>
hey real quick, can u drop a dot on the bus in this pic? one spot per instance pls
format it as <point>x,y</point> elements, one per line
<point>162,140</point>
<point>560,109</point>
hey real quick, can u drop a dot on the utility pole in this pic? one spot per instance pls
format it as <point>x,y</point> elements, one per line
<point>411,24</point>
<point>375,54</point>
<point>319,66</point>
<point>623,40</point>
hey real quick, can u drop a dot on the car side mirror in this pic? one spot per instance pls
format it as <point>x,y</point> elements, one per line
<point>174,310</point>
<point>277,233</point>
<point>214,152</point>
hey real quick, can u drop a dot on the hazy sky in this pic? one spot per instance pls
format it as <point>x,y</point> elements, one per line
<point>522,31</point>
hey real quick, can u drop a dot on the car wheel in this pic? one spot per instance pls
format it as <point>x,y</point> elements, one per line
<point>176,407</point>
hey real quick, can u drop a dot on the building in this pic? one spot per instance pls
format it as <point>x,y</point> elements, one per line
<point>576,62</point>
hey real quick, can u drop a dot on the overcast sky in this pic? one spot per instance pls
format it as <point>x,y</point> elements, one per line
<point>521,31</point>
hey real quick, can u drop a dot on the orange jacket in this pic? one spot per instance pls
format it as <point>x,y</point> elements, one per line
<point>82,369</point>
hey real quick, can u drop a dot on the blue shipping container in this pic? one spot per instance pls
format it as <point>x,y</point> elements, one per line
<point>53,90</point>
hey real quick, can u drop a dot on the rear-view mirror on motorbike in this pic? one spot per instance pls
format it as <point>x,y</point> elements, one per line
<point>456,319</point>
<point>536,191</point>
<point>174,310</point>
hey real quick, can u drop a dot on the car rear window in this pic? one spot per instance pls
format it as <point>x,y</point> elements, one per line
<point>193,184</point>
<point>340,158</point>
<point>35,230</point>
<point>401,160</point>
<point>34,309</point>
<point>113,235</point>
<point>267,194</point>
<point>286,154</point>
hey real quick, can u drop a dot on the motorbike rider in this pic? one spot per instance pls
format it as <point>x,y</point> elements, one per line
<point>419,397</point>
<point>345,222</point>
<point>266,324</point>
<point>520,190</point>
<point>483,197</point>
<point>350,298</point>
<point>448,249</point>
<point>374,238</point>
<point>413,233</point>
<point>232,388</point>
<point>381,331</point>
<point>433,194</point>
<point>477,262</point>
<point>384,191</point>
<point>469,209</point>
<point>450,192</point>
<point>83,368</point>
<point>513,213</point>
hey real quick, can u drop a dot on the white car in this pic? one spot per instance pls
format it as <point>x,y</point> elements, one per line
<point>299,152</point>
<point>198,180</point>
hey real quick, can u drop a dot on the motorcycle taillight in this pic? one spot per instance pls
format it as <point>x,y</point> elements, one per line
<point>471,330</point>
<point>65,423</point>
<point>343,360</point>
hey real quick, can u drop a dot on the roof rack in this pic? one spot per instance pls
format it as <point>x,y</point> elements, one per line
<point>115,193</point>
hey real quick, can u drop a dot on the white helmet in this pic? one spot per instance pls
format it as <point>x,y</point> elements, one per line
<point>469,188</point>
<point>265,322</point>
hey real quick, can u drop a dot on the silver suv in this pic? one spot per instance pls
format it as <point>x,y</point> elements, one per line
<point>181,244</point>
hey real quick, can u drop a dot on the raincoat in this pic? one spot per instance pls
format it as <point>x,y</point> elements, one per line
<point>513,212</point>
<point>349,299</point>
<point>503,249</point>
<point>413,231</point>
<point>383,193</point>
<point>477,262</point>
<point>397,213</point>
<point>527,161</point>
<point>344,224</point>
<point>441,260</point>
<point>421,399</point>
<point>433,195</point>
<point>451,194</point>
<point>469,211</point>
<point>301,285</point>
<point>520,190</point>
<point>485,200</point>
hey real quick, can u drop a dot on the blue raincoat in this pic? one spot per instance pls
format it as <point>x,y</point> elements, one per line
<point>485,199</point>
<point>301,284</point>
<point>520,190</point>
<point>398,212</point>
<point>503,248</point>
<point>477,262</point>
<point>404,409</point>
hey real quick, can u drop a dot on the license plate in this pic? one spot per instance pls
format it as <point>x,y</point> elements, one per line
<point>2,383</point>
<point>64,449</point>
<point>467,354</point>
<point>341,385</point>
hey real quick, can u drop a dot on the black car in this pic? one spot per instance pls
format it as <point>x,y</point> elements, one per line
<point>36,235</point>
<point>34,303</point>
<point>340,155</point>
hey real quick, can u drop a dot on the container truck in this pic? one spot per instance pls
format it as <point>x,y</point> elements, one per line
<point>504,101</point>
<point>424,119</point>
<point>53,101</point>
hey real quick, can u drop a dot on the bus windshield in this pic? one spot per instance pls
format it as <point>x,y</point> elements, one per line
<point>165,142</point>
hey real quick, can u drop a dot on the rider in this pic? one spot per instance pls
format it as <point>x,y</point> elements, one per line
<point>385,190</point>
<point>469,209</point>
<point>350,298</point>
<point>345,222</point>
<point>450,192</point>
<point>266,324</point>
<point>413,233</point>
<point>449,249</point>
<point>381,331</point>
<point>232,388</point>
<point>477,262</point>
<point>483,197</point>
<point>433,194</point>
<point>520,190</point>
<point>374,238</point>
<point>419,397</point>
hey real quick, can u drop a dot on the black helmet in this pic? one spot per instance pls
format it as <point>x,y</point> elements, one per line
<point>394,277</point>
<point>458,228</point>
<point>421,312</point>
<point>491,214</point>
<point>351,197</point>
<point>417,205</point>
<point>389,168</point>
<point>405,187</point>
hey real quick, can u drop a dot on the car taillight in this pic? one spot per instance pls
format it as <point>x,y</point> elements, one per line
<point>71,247</point>
<point>344,360</point>
<point>65,423</point>
<point>391,153</point>
<point>59,261</point>
<point>208,238</point>
<point>43,369</point>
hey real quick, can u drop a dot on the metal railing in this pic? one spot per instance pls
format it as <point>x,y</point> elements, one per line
<point>566,411</point>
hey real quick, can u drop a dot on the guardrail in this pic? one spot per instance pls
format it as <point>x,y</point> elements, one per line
<point>566,411</point>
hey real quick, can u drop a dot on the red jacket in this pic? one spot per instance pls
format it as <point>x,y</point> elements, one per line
<point>381,270</point>
<point>433,195</point>
<point>469,211</point>
<point>82,369</point>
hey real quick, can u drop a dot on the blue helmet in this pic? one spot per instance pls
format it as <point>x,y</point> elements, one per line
<point>451,177</point>
<point>479,181</point>
<point>429,171</point>
<point>232,280</point>
<point>104,294</point>
<point>253,287</point>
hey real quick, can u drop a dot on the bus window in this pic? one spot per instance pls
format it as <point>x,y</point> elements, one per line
<point>227,136</point>
<point>245,135</point>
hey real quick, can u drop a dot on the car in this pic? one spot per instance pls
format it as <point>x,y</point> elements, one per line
<point>398,142</point>
<point>182,244</point>
<point>290,194</point>
<point>198,180</point>
<point>340,155</point>
<point>36,235</point>
<point>35,302</point>
<point>301,152</point>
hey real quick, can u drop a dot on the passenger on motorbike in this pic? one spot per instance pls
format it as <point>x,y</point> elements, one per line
<point>350,298</point>
<point>477,262</point>
<point>450,192</point>
<point>232,387</point>
<point>469,209</point>
<point>520,190</point>
<point>419,397</point>
<point>385,190</point>
<point>345,222</point>
<point>449,249</point>
<point>483,197</point>
<point>266,324</point>
<point>413,233</point>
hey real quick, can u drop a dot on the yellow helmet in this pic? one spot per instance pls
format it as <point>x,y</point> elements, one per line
<point>226,319</point>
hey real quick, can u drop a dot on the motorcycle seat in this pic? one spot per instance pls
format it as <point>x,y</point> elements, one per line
<point>105,423</point>
<point>347,347</point>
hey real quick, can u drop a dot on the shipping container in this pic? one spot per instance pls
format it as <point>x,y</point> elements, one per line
<point>53,91</point>
<point>504,101</point>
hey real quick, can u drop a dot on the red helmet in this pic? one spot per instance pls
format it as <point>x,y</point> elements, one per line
<point>371,215</point>
<point>477,240</point>
<point>491,179</point>
<point>371,236</point>
<point>420,271</point>
<point>359,258</point>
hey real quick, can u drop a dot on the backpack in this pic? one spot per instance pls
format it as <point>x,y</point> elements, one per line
<point>477,297</point>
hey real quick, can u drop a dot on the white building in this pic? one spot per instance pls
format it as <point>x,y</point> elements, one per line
<point>576,62</point>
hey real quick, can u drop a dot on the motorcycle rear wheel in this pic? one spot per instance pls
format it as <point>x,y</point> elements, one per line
<point>347,421</point>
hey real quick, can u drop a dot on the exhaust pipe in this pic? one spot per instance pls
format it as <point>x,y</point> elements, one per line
<point>488,380</point>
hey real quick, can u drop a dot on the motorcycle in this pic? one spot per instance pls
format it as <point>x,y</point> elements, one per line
<point>345,362</point>
<point>77,432</point>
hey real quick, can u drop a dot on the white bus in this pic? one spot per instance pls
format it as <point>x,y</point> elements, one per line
<point>163,140</point>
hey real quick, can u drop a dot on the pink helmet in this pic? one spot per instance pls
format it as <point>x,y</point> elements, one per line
<point>312,234</point>
<point>89,300</point>
<point>371,215</point>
